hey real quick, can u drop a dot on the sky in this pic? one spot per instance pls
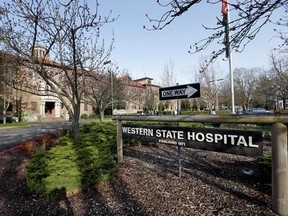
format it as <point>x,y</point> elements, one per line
<point>145,53</point>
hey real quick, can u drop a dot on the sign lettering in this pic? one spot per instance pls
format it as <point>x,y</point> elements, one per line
<point>248,143</point>
<point>181,91</point>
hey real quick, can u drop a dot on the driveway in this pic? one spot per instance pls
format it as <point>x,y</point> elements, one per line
<point>12,137</point>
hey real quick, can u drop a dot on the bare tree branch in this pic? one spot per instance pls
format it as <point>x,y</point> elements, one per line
<point>69,32</point>
<point>252,15</point>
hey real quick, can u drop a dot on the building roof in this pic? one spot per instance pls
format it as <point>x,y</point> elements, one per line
<point>144,78</point>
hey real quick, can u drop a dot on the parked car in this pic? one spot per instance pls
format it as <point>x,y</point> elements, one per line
<point>255,111</point>
<point>8,118</point>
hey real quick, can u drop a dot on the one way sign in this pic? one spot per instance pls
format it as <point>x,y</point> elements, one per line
<point>180,91</point>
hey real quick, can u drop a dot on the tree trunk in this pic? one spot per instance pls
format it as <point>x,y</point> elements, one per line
<point>75,128</point>
<point>4,116</point>
<point>101,115</point>
<point>75,122</point>
<point>19,108</point>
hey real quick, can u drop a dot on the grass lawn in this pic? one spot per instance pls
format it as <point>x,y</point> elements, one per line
<point>13,125</point>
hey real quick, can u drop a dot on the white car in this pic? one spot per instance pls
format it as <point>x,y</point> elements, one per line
<point>256,111</point>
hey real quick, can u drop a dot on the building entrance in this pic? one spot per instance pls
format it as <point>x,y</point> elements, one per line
<point>50,108</point>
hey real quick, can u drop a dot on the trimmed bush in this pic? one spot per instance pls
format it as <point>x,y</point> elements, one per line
<point>73,165</point>
<point>95,149</point>
<point>52,171</point>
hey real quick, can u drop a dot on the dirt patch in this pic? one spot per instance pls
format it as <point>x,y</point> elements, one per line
<point>147,183</point>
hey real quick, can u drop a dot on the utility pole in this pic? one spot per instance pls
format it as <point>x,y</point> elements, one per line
<point>226,20</point>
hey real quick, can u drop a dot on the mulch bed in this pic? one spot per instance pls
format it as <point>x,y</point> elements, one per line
<point>147,183</point>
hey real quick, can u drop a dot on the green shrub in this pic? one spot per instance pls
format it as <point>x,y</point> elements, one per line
<point>53,170</point>
<point>194,112</point>
<point>73,165</point>
<point>87,116</point>
<point>265,164</point>
<point>266,129</point>
<point>65,140</point>
<point>101,134</point>
<point>92,116</point>
<point>223,112</point>
<point>192,124</point>
<point>95,149</point>
<point>267,135</point>
<point>84,116</point>
<point>36,171</point>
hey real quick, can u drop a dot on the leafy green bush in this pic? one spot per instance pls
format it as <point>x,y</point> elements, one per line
<point>223,112</point>
<point>52,171</point>
<point>93,116</point>
<point>194,112</point>
<point>36,171</point>
<point>73,165</point>
<point>192,124</point>
<point>166,112</point>
<point>265,164</point>
<point>95,149</point>
<point>267,135</point>
<point>84,116</point>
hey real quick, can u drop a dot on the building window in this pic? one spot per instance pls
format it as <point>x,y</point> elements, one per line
<point>85,107</point>
<point>47,89</point>
<point>10,107</point>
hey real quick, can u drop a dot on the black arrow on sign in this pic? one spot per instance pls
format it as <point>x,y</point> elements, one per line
<point>180,91</point>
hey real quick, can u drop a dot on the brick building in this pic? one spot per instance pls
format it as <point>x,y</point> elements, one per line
<point>43,105</point>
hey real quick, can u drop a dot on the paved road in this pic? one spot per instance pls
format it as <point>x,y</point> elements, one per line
<point>10,138</point>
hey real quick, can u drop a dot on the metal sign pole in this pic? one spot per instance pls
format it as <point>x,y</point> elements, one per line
<point>179,147</point>
<point>119,142</point>
<point>179,162</point>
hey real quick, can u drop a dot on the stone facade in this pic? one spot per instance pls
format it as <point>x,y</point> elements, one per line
<point>38,106</point>
<point>140,94</point>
